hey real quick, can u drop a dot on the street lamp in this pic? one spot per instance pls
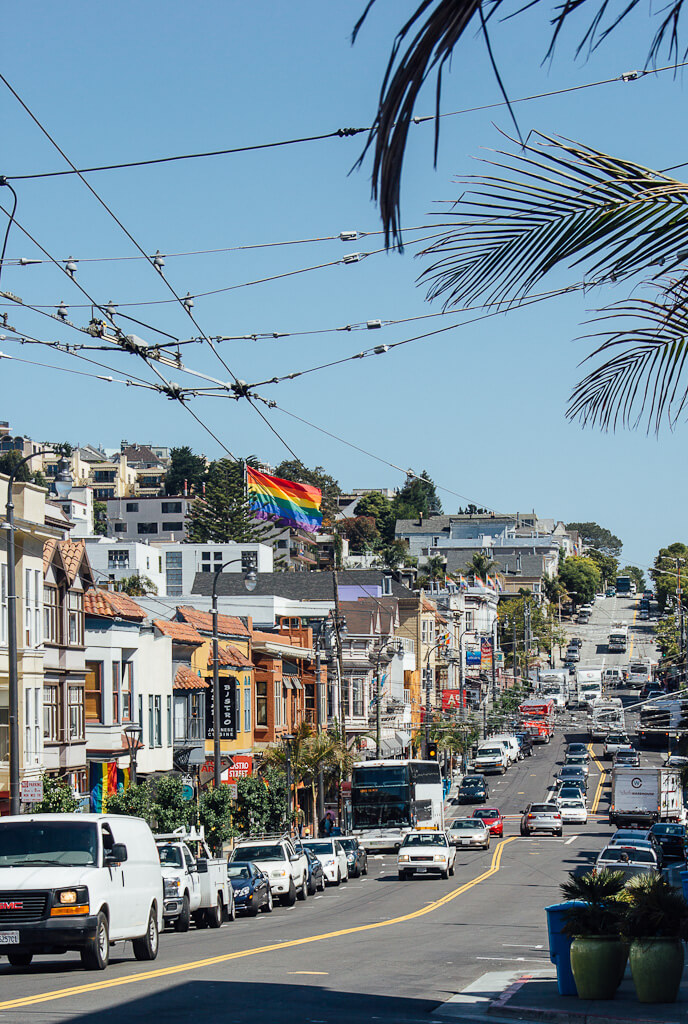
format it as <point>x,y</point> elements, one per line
<point>13,688</point>
<point>250,580</point>
<point>385,655</point>
<point>132,738</point>
<point>288,737</point>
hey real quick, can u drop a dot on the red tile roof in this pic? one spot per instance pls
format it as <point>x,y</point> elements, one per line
<point>228,625</point>
<point>73,553</point>
<point>228,654</point>
<point>181,631</point>
<point>186,679</point>
<point>110,605</point>
<point>48,552</point>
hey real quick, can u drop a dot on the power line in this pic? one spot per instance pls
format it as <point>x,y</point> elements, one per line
<point>10,220</point>
<point>628,76</point>
<point>79,373</point>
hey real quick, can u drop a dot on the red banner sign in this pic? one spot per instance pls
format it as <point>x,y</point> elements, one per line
<point>451,700</point>
<point>243,766</point>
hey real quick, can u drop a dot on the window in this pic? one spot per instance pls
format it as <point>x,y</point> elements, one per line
<point>51,713</point>
<point>75,615</point>
<point>435,541</point>
<point>51,616</point>
<point>357,686</point>
<point>76,712</point>
<point>28,617</point>
<point>261,702</point>
<point>151,725</point>
<point>37,594</point>
<point>174,582</point>
<point>127,689</point>
<point>132,506</point>
<point>346,689</point>
<point>93,696</point>
<point>173,559</point>
<point>424,631</point>
<point>237,698</point>
<point>141,713</point>
<point>217,555</point>
<point>169,508</point>
<point>4,734</point>
<point>205,556</point>
<point>120,527</point>
<point>116,683</point>
<point>469,622</point>
<point>205,567</point>
<point>147,528</point>
<point>118,559</point>
<point>158,720</point>
<point>179,718</point>
<point>282,543</point>
<point>103,493</point>
<point>169,721</point>
<point>247,705</point>
<point>278,702</point>
<point>3,604</point>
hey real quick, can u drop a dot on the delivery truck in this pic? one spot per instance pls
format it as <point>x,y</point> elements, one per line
<point>606,715</point>
<point>660,720</point>
<point>554,683</point>
<point>642,796</point>
<point>537,718</point>
<point>588,686</point>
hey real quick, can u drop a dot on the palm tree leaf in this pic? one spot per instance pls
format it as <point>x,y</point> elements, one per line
<point>567,204</point>
<point>643,370</point>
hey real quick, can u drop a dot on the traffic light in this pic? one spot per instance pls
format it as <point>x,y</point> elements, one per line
<point>432,751</point>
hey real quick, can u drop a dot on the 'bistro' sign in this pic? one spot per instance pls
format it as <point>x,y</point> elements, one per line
<point>227,710</point>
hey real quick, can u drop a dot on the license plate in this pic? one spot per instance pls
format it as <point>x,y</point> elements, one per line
<point>421,871</point>
<point>466,842</point>
<point>9,938</point>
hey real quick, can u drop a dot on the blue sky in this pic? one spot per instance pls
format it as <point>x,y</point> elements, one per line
<point>481,408</point>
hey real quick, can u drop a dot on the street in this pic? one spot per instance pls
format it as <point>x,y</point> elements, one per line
<point>376,948</point>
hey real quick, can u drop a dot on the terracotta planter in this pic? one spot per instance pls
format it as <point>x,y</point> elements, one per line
<point>657,967</point>
<point>598,963</point>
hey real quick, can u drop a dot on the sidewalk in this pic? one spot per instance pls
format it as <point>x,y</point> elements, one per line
<point>503,996</point>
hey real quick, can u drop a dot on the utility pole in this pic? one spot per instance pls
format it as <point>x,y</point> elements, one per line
<point>526,635</point>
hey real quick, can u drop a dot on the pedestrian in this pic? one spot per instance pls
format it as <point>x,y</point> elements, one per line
<point>326,825</point>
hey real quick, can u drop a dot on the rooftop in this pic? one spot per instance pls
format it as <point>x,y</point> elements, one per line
<point>228,625</point>
<point>180,631</point>
<point>186,679</point>
<point>107,604</point>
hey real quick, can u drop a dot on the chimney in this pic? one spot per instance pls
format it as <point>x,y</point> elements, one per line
<point>420,518</point>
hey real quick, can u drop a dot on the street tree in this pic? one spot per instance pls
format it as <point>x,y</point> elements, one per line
<point>100,518</point>
<point>607,564</point>
<point>186,472</point>
<point>669,563</point>
<point>581,577</point>
<point>58,797</point>
<point>667,639</point>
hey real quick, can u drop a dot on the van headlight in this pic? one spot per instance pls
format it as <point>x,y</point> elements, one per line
<point>70,902</point>
<point>170,887</point>
<point>279,873</point>
<point>440,857</point>
<point>403,857</point>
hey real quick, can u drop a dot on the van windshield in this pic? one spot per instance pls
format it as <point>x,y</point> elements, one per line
<point>50,843</point>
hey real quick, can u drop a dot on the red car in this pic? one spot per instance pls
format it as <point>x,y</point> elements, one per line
<point>492,818</point>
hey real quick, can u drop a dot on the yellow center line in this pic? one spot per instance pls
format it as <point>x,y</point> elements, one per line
<point>630,649</point>
<point>600,784</point>
<point>164,972</point>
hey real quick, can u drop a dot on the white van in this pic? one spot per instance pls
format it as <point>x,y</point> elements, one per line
<point>491,757</point>
<point>78,882</point>
<point>510,744</point>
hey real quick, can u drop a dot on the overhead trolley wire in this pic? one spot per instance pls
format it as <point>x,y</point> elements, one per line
<point>339,133</point>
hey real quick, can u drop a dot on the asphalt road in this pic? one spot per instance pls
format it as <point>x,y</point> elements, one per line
<point>375,949</point>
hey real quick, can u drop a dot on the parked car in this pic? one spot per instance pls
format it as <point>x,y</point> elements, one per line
<point>473,790</point>
<point>331,855</point>
<point>541,818</point>
<point>356,856</point>
<point>286,866</point>
<point>615,741</point>
<point>424,851</point>
<point>526,741</point>
<point>642,857</point>
<point>573,654</point>
<point>251,887</point>
<point>492,818</point>
<point>672,838</point>
<point>469,832</point>
<point>573,810</point>
<point>637,836</point>
<point>95,878</point>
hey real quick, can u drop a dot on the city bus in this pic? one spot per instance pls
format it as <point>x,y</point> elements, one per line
<point>389,798</point>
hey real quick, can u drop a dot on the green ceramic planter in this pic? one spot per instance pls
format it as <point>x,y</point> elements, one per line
<point>657,967</point>
<point>598,963</point>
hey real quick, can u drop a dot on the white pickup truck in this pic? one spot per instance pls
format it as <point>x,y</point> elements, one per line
<point>285,864</point>
<point>195,887</point>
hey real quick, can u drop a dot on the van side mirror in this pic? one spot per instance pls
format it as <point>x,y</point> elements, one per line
<point>117,855</point>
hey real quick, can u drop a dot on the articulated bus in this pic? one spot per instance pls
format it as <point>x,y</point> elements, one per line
<point>389,798</point>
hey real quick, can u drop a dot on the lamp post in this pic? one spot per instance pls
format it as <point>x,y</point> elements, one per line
<point>385,655</point>
<point>250,580</point>
<point>288,737</point>
<point>13,688</point>
<point>132,736</point>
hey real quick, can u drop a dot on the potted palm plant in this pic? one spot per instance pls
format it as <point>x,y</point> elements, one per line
<point>656,921</point>
<point>598,955</point>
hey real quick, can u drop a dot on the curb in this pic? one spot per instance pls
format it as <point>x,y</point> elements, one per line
<point>500,1008</point>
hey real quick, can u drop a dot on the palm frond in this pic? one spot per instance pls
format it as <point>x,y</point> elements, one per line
<point>568,204</point>
<point>430,45</point>
<point>644,374</point>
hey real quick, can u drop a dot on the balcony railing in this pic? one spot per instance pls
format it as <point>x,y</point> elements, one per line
<point>192,729</point>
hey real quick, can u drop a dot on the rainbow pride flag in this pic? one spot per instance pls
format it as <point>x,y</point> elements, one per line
<point>298,505</point>
<point>104,779</point>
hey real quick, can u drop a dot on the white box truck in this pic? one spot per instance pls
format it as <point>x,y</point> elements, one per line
<point>554,683</point>
<point>642,796</point>
<point>588,686</point>
<point>606,715</point>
